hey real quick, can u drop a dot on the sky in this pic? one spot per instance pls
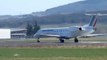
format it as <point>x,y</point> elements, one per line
<point>20,7</point>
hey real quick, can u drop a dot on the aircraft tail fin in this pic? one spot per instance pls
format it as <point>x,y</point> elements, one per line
<point>93,21</point>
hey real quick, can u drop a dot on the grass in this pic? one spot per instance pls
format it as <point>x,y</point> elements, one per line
<point>53,53</point>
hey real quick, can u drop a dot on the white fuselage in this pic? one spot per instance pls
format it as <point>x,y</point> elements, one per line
<point>69,32</point>
<point>66,32</point>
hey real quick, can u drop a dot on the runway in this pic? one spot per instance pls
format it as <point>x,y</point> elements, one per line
<point>45,44</point>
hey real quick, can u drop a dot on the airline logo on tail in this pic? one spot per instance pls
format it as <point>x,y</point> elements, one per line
<point>93,21</point>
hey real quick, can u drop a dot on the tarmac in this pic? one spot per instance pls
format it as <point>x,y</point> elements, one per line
<point>52,44</point>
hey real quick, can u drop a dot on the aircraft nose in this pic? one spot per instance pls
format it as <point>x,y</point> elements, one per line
<point>35,35</point>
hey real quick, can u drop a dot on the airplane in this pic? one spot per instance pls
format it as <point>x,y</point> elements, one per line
<point>69,32</point>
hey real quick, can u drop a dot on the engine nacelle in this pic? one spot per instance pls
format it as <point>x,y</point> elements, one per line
<point>80,29</point>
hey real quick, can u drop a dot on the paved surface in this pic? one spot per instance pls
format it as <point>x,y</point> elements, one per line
<point>52,44</point>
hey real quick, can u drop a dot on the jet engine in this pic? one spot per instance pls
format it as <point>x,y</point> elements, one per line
<point>80,29</point>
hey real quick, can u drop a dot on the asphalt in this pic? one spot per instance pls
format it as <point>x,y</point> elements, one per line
<point>52,44</point>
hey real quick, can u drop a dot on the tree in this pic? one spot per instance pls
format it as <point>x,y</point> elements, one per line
<point>32,29</point>
<point>29,30</point>
<point>36,27</point>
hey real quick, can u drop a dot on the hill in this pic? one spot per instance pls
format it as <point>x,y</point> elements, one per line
<point>22,20</point>
<point>77,7</point>
<point>70,13</point>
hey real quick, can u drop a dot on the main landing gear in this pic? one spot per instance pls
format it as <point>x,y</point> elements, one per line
<point>61,40</point>
<point>76,40</point>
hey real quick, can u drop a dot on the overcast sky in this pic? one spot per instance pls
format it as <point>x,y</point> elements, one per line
<point>17,7</point>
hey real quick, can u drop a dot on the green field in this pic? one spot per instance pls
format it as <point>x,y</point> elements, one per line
<point>60,52</point>
<point>53,53</point>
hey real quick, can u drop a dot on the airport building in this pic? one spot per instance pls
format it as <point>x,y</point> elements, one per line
<point>5,33</point>
<point>18,33</point>
<point>15,33</point>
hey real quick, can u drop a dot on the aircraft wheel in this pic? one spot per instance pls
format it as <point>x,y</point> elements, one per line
<point>61,40</point>
<point>76,40</point>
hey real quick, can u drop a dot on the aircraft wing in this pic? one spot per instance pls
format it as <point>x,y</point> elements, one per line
<point>95,35</point>
<point>52,35</point>
<point>48,35</point>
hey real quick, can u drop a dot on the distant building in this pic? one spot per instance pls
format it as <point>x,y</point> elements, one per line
<point>18,33</point>
<point>5,33</point>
